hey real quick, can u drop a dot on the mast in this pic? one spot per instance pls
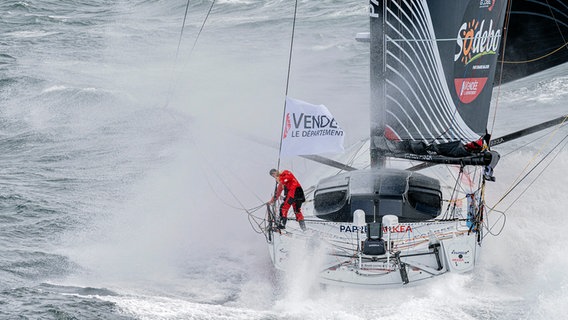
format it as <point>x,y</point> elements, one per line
<point>377,81</point>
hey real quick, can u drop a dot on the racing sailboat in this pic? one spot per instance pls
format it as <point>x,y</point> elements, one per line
<point>432,69</point>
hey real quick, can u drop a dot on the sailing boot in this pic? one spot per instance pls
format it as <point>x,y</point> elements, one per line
<point>300,219</point>
<point>282,224</point>
<point>302,225</point>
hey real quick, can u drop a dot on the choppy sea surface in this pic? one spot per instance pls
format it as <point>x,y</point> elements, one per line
<point>125,166</point>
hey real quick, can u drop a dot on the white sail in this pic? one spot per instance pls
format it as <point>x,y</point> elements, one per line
<point>310,129</point>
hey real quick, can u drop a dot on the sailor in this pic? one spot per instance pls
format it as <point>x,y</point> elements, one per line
<point>294,196</point>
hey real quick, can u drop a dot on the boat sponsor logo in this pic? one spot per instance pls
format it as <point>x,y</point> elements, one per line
<point>460,253</point>
<point>420,157</point>
<point>476,39</point>
<point>309,129</point>
<point>496,142</point>
<point>489,4</point>
<point>481,67</point>
<point>374,8</point>
<point>391,134</point>
<point>287,126</point>
<point>363,229</point>
<point>307,125</point>
<point>460,257</point>
<point>468,89</point>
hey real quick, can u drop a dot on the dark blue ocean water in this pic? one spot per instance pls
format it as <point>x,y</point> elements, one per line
<point>124,172</point>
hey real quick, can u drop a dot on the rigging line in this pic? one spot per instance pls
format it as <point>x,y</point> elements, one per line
<point>539,58</point>
<point>550,53</point>
<point>556,21</point>
<point>202,26</point>
<point>540,173</point>
<point>287,80</point>
<point>224,184</point>
<point>350,161</point>
<point>505,35</point>
<point>524,145</point>
<point>490,228</point>
<point>171,90</point>
<point>221,199</point>
<point>516,181</point>
<point>454,192</point>
<point>182,28</point>
<point>528,173</point>
<point>248,211</point>
<point>356,153</point>
<point>242,207</point>
<point>198,33</point>
<point>503,213</point>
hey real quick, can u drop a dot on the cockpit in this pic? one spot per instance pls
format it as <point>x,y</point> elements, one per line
<point>410,196</point>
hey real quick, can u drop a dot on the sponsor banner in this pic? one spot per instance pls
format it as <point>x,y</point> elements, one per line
<point>468,89</point>
<point>476,39</point>
<point>363,229</point>
<point>310,129</point>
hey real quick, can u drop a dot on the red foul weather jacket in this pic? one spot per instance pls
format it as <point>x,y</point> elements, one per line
<point>288,181</point>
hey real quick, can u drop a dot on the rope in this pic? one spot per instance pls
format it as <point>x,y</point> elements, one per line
<point>253,220</point>
<point>524,145</point>
<point>200,29</point>
<point>530,171</point>
<point>550,53</point>
<point>538,176</point>
<point>182,28</point>
<point>538,58</point>
<point>504,213</point>
<point>171,88</point>
<point>519,178</point>
<point>454,192</point>
<point>507,20</point>
<point>202,26</point>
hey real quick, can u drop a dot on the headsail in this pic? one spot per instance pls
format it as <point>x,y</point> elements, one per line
<point>433,65</point>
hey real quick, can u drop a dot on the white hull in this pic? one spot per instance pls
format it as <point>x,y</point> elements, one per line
<point>425,250</point>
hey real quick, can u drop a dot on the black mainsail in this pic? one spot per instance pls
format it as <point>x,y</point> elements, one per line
<point>432,70</point>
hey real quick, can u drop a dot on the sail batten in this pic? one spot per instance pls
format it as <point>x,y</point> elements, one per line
<point>420,112</point>
<point>422,98</point>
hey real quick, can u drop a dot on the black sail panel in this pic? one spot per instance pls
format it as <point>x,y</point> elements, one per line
<point>436,63</point>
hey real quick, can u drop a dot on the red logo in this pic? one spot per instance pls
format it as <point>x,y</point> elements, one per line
<point>287,126</point>
<point>468,89</point>
<point>391,134</point>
